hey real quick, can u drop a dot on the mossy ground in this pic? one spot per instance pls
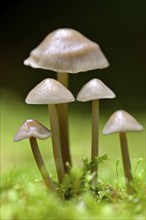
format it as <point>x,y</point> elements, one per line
<point>23,194</point>
<point>24,197</point>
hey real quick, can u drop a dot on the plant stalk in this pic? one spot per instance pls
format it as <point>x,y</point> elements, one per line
<point>56,141</point>
<point>40,163</point>
<point>62,110</point>
<point>95,137</point>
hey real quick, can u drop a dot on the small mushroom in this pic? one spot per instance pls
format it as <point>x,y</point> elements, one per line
<point>66,51</point>
<point>121,122</point>
<point>51,92</point>
<point>94,90</point>
<point>32,129</point>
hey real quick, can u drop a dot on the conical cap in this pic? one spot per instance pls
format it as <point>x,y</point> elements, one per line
<point>94,89</point>
<point>32,128</point>
<point>121,121</point>
<point>49,91</point>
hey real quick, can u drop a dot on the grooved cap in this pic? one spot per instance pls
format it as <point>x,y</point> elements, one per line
<point>121,121</point>
<point>94,89</point>
<point>32,128</point>
<point>67,50</point>
<point>49,91</point>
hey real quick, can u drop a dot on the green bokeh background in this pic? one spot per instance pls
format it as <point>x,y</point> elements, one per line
<point>118,26</point>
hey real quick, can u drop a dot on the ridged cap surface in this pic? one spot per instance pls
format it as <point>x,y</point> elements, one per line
<point>67,50</point>
<point>49,91</point>
<point>121,121</point>
<point>94,89</point>
<point>32,128</point>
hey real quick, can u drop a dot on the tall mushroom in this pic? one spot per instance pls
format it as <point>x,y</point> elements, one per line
<point>66,51</point>
<point>32,129</point>
<point>121,122</point>
<point>51,92</point>
<point>94,90</point>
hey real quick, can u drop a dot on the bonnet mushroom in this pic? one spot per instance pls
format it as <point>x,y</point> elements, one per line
<point>121,122</point>
<point>32,129</point>
<point>51,92</point>
<point>66,51</point>
<point>94,90</point>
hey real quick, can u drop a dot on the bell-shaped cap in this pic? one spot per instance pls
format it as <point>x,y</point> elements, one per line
<point>94,89</point>
<point>32,128</point>
<point>49,91</point>
<point>121,121</point>
<point>67,50</point>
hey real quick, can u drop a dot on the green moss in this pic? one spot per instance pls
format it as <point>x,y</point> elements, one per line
<point>24,198</point>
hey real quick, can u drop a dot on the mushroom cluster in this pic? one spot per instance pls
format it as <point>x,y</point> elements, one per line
<point>68,51</point>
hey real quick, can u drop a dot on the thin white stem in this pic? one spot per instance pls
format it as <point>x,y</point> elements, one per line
<point>56,141</point>
<point>95,135</point>
<point>40,163</point>
<point>62,110</point>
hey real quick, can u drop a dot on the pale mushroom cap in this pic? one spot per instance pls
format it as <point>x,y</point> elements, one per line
<point>94,89</point>
<point>49,91</point>
<point>121,121</point>
<point>67,50</point>
<point>32,128</point>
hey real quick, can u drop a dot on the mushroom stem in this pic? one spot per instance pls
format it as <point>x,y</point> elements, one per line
<point>63,78</point>
<point>56,141</point>
<point>126,159</point>
<point>40,163</point>
<point>62,110</point>
<point>95,128</point>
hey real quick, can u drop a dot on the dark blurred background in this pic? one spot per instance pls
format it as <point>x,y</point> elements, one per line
<point>118,26</point>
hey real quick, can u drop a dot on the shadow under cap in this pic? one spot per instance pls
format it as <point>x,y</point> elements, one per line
<point>49,91</point>
<point>32,128</point>
<point>121,121</point>
<point>67,50</point>
<point>94,89</point>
